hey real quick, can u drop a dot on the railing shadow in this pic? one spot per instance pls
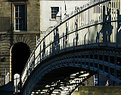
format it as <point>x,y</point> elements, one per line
<point>61,40</point>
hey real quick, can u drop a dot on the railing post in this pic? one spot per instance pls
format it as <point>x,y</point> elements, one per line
<point>40,52</point>
<point>33,65</point>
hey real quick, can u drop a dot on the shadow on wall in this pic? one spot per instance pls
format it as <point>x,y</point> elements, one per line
<point>104,35</point>
<point>107,28</point>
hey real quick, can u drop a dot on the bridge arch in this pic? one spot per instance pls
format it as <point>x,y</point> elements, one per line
<point>55,50</point>
<point>82,59</point>
<point>20,52</point>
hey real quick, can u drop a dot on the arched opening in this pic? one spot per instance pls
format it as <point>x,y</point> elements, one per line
<point>20,54</point>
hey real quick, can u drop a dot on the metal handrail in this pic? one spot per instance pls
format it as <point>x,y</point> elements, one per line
<point>32,57</point>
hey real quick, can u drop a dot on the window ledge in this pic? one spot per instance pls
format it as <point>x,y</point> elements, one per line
<point>19,30</point>
<point>52,19</point>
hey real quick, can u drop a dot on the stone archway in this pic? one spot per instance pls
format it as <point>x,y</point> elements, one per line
<point>19,55</point>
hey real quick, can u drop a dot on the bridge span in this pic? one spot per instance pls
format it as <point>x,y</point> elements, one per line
<point>76,48</point>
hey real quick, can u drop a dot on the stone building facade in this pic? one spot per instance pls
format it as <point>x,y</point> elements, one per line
<point>21,22</point>
<point>19,30</point>
<point>55,10</point>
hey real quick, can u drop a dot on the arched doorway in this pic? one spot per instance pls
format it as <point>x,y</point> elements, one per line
<point>20,54</point>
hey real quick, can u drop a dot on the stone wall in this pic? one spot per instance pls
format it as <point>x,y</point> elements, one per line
<point>8,38</point>
<point>33,15</point>
<point>98,90</point>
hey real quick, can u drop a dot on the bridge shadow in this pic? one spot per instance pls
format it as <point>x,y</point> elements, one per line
<point>63,63</point>
<point>107,27</point>
<point>55,44</point>
<point>119,27</point>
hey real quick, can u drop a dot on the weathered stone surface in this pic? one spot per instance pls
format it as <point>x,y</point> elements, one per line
<point>98,90</point>
<point>8,39</point>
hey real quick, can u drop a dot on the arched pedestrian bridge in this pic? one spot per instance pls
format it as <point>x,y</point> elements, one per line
<point>81,45</point>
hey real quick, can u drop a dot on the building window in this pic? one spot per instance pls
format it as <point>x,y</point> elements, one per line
<point>54,11</point>
<point>20,17</point>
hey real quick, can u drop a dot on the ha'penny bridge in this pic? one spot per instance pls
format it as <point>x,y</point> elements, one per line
<point>78,47</point>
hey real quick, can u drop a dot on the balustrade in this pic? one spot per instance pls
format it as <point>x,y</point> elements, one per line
<point>81,27</point>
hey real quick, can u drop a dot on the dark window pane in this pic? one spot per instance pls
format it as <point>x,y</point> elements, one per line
<point>22,11</point>
<point>22,24</point>
<point>16,8</point>
<point>16,27</point>
<point>16,15</point>
<point>20,17</point>
<point>16,21</point>
<point>54,11</point>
